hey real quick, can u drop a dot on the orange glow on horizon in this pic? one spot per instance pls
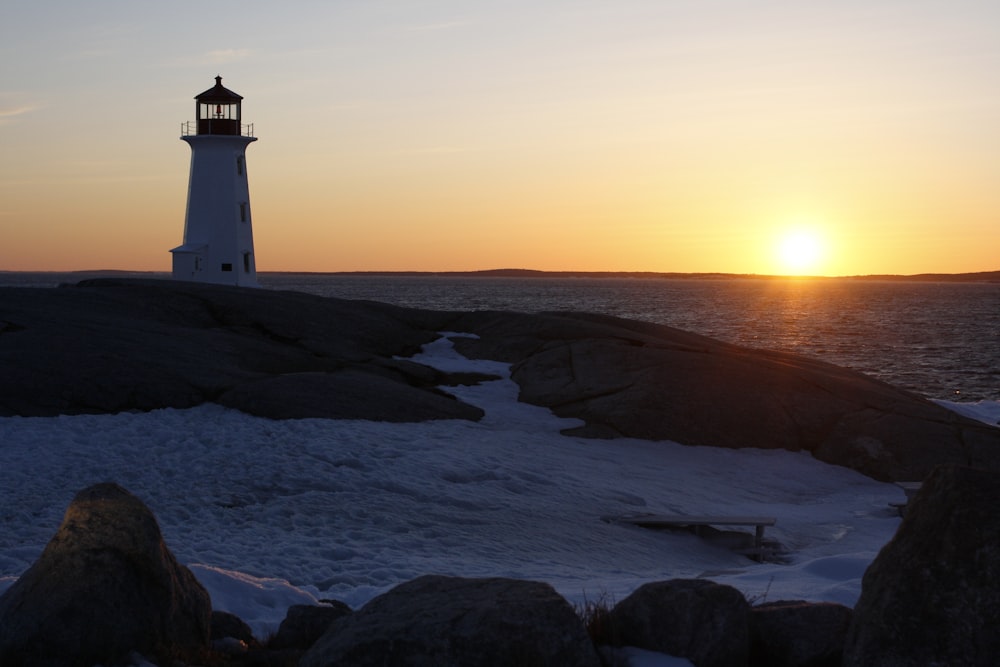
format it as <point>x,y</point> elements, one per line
<point>635,136</point>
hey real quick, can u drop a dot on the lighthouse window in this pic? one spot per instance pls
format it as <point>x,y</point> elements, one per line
<point>219,111</point>
<point>246,262</point>
<point>243,211</point>
<point>227,267</point>
<point>239,165</point>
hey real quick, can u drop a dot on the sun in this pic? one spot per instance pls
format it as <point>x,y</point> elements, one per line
<point>800,251</point>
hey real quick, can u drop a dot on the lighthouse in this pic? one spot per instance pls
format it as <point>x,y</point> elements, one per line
<point>218,232</point>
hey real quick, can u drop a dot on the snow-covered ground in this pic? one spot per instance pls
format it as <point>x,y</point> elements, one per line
<point>273,513</point>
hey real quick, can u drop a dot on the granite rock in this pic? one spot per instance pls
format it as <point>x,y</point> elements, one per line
<point>116,345</point>
<point>642,380</point>
<point>105,586</point>
<point>697,619</point>
<point>438,621</point>
<point>932,595</point>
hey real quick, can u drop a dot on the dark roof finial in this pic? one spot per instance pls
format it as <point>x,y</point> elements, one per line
<point>219,94</point>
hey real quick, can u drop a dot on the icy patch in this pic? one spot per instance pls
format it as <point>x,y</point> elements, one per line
<point>987,412</point>
<point>260,602</point>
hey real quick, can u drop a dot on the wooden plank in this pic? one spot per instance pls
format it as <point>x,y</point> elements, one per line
<point>677,520</point>
<point>696,522</point>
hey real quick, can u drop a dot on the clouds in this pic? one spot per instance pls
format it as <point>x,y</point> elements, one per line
<point>11,111</point>
<point>213,57</point>
<point>225,56</point>
<point>434,27</point>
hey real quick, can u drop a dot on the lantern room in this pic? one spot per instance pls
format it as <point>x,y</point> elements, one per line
<point>218,110</point>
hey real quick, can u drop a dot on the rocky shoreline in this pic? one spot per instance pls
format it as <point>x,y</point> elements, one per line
<point>107,590</point>
<point>113,345</point>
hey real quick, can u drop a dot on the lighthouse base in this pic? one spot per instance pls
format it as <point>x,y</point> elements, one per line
<point>192,264</point>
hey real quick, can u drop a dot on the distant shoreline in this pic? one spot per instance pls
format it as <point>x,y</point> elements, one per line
<point>982,276</point>
<point>975,277</point>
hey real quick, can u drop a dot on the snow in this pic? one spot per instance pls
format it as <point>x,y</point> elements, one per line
<point>273,513</point>
<point>987,412</point>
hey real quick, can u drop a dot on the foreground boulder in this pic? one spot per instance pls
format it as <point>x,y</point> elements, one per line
<point>225,625</point>
<point>105,585</point>
<point>304,624</point>
<point>437,621</point>
<point>932,595</point>
<point>798,634</point>
<point>697,619</point>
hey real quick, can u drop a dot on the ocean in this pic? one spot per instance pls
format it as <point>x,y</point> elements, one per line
<point>937,339</point>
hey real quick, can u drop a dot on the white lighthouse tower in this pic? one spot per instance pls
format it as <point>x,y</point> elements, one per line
<point>218,236</point>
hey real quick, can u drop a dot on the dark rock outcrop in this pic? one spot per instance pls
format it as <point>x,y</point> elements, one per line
<point>230,626</point>
<point>437,621</point>
<point>798,634</point>
<point>105,585</point>
<point>697,619</point>
<point>305,624</point>
<point>115,345</point>
<point>626,378</point>
<point>932,595</point>
<point>347,394</point>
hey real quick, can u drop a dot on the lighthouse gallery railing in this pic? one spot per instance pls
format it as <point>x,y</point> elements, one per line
<point>191,127</point>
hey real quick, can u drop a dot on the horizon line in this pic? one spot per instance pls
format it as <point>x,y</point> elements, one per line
<point>987,276</point>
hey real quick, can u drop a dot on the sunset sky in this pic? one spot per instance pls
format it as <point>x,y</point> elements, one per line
<point>772,137</point>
